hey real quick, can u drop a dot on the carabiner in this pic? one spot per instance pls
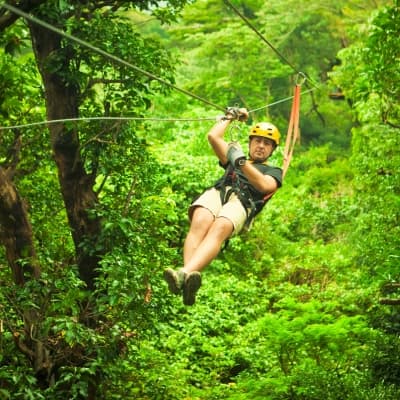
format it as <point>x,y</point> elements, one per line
<point>303,78</point>
<point>234,126</point>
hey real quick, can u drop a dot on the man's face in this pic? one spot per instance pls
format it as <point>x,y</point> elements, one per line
<point>260,148</point>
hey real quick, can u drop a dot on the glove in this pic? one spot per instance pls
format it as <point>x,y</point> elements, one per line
<point>235,154</point>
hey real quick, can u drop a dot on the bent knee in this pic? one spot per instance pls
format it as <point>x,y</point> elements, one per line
<point>201,219</point>
<point>222,227</point>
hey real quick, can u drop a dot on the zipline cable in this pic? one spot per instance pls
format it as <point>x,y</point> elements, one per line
<point>55,121</point>
<point>265,40</point>
<point>105,54</point>
<point>277,102</point>
<point>160,119</point>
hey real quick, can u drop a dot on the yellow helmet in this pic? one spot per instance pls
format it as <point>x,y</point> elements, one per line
<point>267,130</point>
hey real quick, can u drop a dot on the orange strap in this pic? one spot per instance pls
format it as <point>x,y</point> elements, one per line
<point>292,136</point>
<point>293,133</point>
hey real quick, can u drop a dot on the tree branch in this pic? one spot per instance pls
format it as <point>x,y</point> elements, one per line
<point>390,302</point>
<point>22,346</point>
<point>7,18</point>
<point>13,154</point>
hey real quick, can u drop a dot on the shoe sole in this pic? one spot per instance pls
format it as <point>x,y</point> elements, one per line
<point>171,278</point>
<point>190,288</point>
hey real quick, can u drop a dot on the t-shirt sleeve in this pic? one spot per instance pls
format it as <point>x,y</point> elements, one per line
<point>276,173</point>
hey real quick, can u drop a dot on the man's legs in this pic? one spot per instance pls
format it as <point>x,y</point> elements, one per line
<point>178,281</point>
<point>209,247</point>
<point>202,245</point>
<point>204,240</point>
<point>202,252</point>
<point>201,221</point>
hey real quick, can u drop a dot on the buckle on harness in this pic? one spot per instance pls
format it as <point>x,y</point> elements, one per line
<point>248,204</point>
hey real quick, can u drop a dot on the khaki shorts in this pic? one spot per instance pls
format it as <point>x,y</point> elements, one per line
<point>233,209</point>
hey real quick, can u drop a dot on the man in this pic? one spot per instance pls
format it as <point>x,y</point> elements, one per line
<point>225,209</point>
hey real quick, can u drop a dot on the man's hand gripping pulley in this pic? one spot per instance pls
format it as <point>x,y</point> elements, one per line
<point>236,113</point>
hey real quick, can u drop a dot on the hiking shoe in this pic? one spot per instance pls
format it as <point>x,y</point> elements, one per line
<point>175,280</point>
<point>191,286</point>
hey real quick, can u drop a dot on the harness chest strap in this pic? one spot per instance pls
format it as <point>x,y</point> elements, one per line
<point>242,192</point>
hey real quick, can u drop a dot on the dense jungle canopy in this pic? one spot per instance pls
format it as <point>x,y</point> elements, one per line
<point>93,206</point>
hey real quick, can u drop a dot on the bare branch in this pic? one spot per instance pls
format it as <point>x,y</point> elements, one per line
<point>390,302</point>
<point>7,18</point>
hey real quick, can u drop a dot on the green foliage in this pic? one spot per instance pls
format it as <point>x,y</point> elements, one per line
<point>116,89</point>
<point>378,191</point>
<point>367,68</point>
<point>19,91</point>
<point>231,346</point>
<point>369,75</point>
<point>367,65</point>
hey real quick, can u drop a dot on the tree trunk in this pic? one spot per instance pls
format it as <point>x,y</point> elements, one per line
<point>16,232</point>
<point>16,235</point>
<point>76,185</point>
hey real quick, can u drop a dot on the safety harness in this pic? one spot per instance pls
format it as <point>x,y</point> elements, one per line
<point>233,181</point>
